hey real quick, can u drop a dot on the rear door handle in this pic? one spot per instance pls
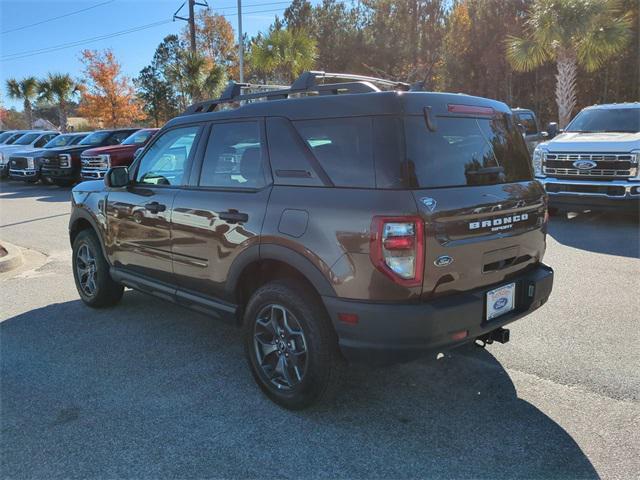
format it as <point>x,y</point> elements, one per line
<point>233,216</point>
<point>155,207</point>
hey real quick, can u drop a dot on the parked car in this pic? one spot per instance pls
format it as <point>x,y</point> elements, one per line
<point>370,226</point>
<point>594,164</point>
<point>63,166</point>
<point>29,141</point>
<point>7,138</point>
<point>27,165</point>
<point>96,161</point>
<point>532,132</point>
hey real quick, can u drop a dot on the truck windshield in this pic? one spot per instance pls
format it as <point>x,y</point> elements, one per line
<point>95,138</point>
<point>60,141</point>
<point>606,120</point>
<point>138,138</point>
<point>465,151</point>
<point>27,139</point>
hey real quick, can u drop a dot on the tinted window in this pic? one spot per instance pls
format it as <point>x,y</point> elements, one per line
<point>44,140</point>
<point>118,137</point>
<point>465,151</point>
<point>60,141</point>
<point>13,138</point>
<point>606,120</point>
<point>528,122</point>
<point>289,156</point>
<point>96,138</point>
<point>343,148</point>
<point>165,161</point>
<point>138,138</point>
<point>234,157</point>
<point>4,136</point>
<point>27,139</point>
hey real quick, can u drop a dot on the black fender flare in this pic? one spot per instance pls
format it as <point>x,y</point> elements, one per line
<point>282,254</point>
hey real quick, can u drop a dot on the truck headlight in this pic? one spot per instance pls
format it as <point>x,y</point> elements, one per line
<point>65,160</point>
<point>30,163</point>
<point>106,159</point>
<point>538,157</point>
<point>636,163</point>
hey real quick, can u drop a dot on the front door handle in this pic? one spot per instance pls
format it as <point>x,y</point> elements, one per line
<point>233,216</point>
<point>155,207</point>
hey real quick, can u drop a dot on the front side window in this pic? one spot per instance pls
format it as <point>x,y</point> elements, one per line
<point>42,141</point>
<point>465,151</point>
<point>606,120</point>
<point>528,122</point>
<point>164,163</point>
<point>234,157</point>
<point>343,147</point>
<point>118,137</point>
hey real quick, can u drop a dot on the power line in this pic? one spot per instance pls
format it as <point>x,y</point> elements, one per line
<point>56,18</point>
<point>54,48</point>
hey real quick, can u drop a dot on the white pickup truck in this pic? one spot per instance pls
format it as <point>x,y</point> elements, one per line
<point>594,163</point>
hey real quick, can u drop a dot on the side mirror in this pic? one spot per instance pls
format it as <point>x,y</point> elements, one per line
<point>117,177</point>
<point>522,129</point>
<point>552,129</point>
<point>544,134</point>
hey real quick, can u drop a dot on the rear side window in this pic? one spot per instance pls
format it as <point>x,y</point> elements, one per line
<point>465,151</point>
<point>343,147</point>
<point>233,158</point>
<point>528,122</point>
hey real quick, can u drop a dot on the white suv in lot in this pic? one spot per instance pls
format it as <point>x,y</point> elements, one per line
<point>594,163</point>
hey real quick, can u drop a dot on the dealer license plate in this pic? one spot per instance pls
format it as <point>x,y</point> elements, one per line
<point>501,300</point>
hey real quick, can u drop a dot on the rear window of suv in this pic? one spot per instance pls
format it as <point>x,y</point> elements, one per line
<point>465,151</point>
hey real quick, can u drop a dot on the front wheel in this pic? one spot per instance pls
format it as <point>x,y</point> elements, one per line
<point>91,272</point>
<point>291,346</point>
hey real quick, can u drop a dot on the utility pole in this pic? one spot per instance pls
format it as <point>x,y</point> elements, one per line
<point>191,20</point>
<point>192,25</point>
<point>240,42</point>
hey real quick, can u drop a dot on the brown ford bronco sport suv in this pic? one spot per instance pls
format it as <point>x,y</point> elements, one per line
<point>334,222</point>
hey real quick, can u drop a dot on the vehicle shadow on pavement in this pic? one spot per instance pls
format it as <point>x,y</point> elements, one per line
<point>609,233</point>
<point>44,193</point>
<point>149,390</point>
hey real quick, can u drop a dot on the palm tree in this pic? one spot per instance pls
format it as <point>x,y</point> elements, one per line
<point>61,89</point>
<point>25,90</point>
<point>283,53</point>
<point>197,77</point>
<point>571,33</point>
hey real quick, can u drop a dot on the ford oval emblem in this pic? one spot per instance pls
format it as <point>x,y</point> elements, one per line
<point>429,202</point>
<point>443,261</point>
<point>584,164</point>
<point>500,303</point>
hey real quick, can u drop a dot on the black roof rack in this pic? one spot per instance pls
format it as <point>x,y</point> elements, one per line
<point>307,83</point>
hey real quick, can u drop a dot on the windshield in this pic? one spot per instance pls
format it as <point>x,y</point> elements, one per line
<point>606,120</point>
<point>5,135</point>
<point>60,141</point>
<point>465,151</point>
<point>95,138</point>
<point>138,138</point>
<point>27,139</point>
<point>78,138</point>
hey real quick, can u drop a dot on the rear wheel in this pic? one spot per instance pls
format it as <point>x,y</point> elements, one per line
<point>291,346</point>
<point>91,272</point>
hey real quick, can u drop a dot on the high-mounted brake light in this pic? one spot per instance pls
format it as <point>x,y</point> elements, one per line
<point>471,110</point>
<point>397,248</point>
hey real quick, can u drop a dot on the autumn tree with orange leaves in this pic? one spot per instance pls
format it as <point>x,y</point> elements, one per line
<point>108,97</point>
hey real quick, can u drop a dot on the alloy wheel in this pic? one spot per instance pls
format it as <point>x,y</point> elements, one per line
<point>280,346</point>
<point>86,268</point>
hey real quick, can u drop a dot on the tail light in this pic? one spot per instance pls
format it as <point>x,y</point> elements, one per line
<point>397,248</point>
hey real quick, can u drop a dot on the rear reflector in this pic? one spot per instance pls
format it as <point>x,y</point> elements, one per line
<point>459,335</point>
<point>398,243</point>
<point>350,318</point>
<point>470,109</point>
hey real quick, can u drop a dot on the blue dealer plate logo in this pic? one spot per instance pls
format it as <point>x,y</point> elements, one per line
<point>500,303</point>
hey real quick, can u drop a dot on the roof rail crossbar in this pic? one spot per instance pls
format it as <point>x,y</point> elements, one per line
<point>307,82</point>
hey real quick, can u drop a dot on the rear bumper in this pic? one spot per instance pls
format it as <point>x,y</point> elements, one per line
<point>585,194</point>
<point>391,333</point>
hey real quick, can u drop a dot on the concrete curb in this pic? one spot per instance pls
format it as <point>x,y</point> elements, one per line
<point>13,258</point>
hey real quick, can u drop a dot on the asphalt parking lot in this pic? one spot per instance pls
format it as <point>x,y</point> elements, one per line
<point>149,390</point>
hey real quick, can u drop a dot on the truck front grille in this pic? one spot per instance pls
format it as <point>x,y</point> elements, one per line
<point>603,165</point>
<point>18,163</point>
<point>94,163</point>
<point>51,162</point>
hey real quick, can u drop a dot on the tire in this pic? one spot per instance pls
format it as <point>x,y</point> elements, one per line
<point>289,377</point>
<point>87,255</point>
